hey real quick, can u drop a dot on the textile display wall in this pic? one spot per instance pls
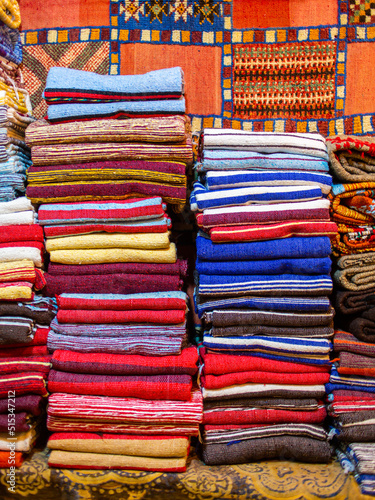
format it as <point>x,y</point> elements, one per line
<point>239,57</point>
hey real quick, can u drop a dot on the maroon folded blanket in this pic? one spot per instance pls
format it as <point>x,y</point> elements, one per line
<point>40,364</point>
<point>112,283</point>
<point>122,303</point>
<point>17,422</point>
<point>122,364</point>
<point>23,383</point>
<point>174,387</point>
<point>166,317</point>
<point>31,403</point>
<point>34,350</point>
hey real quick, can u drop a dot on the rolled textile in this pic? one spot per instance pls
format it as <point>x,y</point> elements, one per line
<point>127,410</point>
<point>67,84</point>
<point>154,130</point>
<point>111,255</point>
<point>352,158</point>
<point>346,342</point>
<point>363,327</point>
<point>124,444</point>
<point>122,364</point>
<point>99,316</point>
<point>265,142</point>
<point>108,461</point>
<point>298,247</point>
<point>351,302</point>
<point>153,387</point>
<point>241,178</point>
<point>231,159</point>
<point>318,265</point>
<point>298,448</point>
<point>58,113</point>
<point>224,234</point>
<point>351,203</point>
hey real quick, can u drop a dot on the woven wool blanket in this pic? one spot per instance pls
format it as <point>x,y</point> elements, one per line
<point>352,203</point>
<point>155,130</point>
<point>59,113</point>
<point>30,350</point>
<point>298,247</point>
<point>23,383</point>
<point>338,381</point>
<point>30,403</point>
<point>202,198</point>
<point>104,190</point>
<point>21,270</point>
<point>355,278</point>
<point>111,255</point>
<point>12,233</point>
<point>16,329</point>
<point>356,364</point>
<point>21,290</point>
<point>254,232</point>
<point>66,84</point>
<point>245,178</point>
<point>22,250</point>
<point>122,364</point>
<point>153,387</point>
<point>164,172</point>
<point>111,283</point>
<point>100,316</point>
<point>319,265</point>
<point>127,410</point>
<point>42,309</point>
<point>254,390</point>
<point>23,422</point>
<point>352,158</point>
<point>108,461</point>
<point>356,260</point>
<point>290,284</point>
<point>40,364</point>
<point>354,303</point>
<point>219,364</point>
<point>297,304</point>
<point>283,447</point>
<point>363,327</point>
<point>266,330</point>
<point>346,342</point>
<point>152,345</point>
<point>232,317</point>
<point>130,210</point>
<point>23,441</point>
<point>122,444</point>
<point>265,142</point>
<point>40,334</point>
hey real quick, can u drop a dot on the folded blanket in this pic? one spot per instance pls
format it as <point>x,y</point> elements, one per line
<point>123,444</point>
<point>40,364</point>
<point>29,403</point>
<point>21,270</point>
<point>284,447</point>
<point>265,142</point>
<point>111,255</point>
<point>352,203</point>
<point>8,459</point>
<point>354,303</point>
<point>202,198</point>
<point>109,461</point>
<point>66,84</point>
<point>16,329</point>
<point>127,410</point>
<point>363,327</point>
<point>352,158</point>
<point>243,178</point>
<point>355,433</point>
<point>12,233</point>
<point>266,330</point>
<point>58,113</point>
<point>319,265</point>
<point>42,309</point>
<point>122,364</point>
<point>298,247</point>
<point>232,159</point>
<point>38,338</point>
<point>355,278</point>
<point>21,218</point>
<point>19,290</point>
<point>257,390</point>
<point>20,250</point>
<point>30,350</point>
<point>356,364</point>
<point>22,441</point>
<point>290,284</point>
<point>23,383</point>
<point>154,130</point>
<point>338,381</point>
<point>346,342</point>
<point>87,316</point>
<point>153,387</point>
<point>254,232</point>
<point>22,422</point>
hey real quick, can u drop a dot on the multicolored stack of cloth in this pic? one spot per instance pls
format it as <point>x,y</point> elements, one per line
<point>123,394</point>
<point>352,383</point>
<point>262,286</point>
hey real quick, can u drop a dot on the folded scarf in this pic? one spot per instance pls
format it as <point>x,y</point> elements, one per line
<point>241,178</point>
<point>142,446</point>
<point>66,84</point>
<point>122,364</point>
<point>153,387</point>
<point>263,214</point>
<point>227,234</point>
<point>127,410</point>
<point>110,461</point>
<point>29,403</point>
<point>231,159</point>
<point>352,158</point>
<point>154,130</point>
<point>265,142</point>
<point>298,247</point>
<point>111,255</point>
<point>290,284</point>
<point>284,447</point>
<point>319,265</point>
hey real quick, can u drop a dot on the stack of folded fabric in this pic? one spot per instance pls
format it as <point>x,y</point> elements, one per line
<point>262,286</point>
<point>352,382</point>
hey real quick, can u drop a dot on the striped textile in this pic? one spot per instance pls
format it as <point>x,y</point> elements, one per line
<point>23,383</point>
<point>351,157</point>
<point>202,198</point>
<point>347,342</point>
<point>21,270</point>
<point>42,309</point>
<point>344,208</point>
<point>154,130</point>
<point>67,84</point>
<point>246,178</point>
<point>40,364</point>
<point>265,142</point>
<point>16,329</point>
<point>355,364</point>
<point>87,316</point>
<point>266,330</point>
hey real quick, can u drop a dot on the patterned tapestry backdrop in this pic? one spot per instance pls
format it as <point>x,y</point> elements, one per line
<point>265,65</point>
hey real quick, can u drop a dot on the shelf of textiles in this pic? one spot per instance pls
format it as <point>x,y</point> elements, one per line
<point>352,382</point>
<point>262,292</point>
<point>25,314</point>
<point>122,386</point>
